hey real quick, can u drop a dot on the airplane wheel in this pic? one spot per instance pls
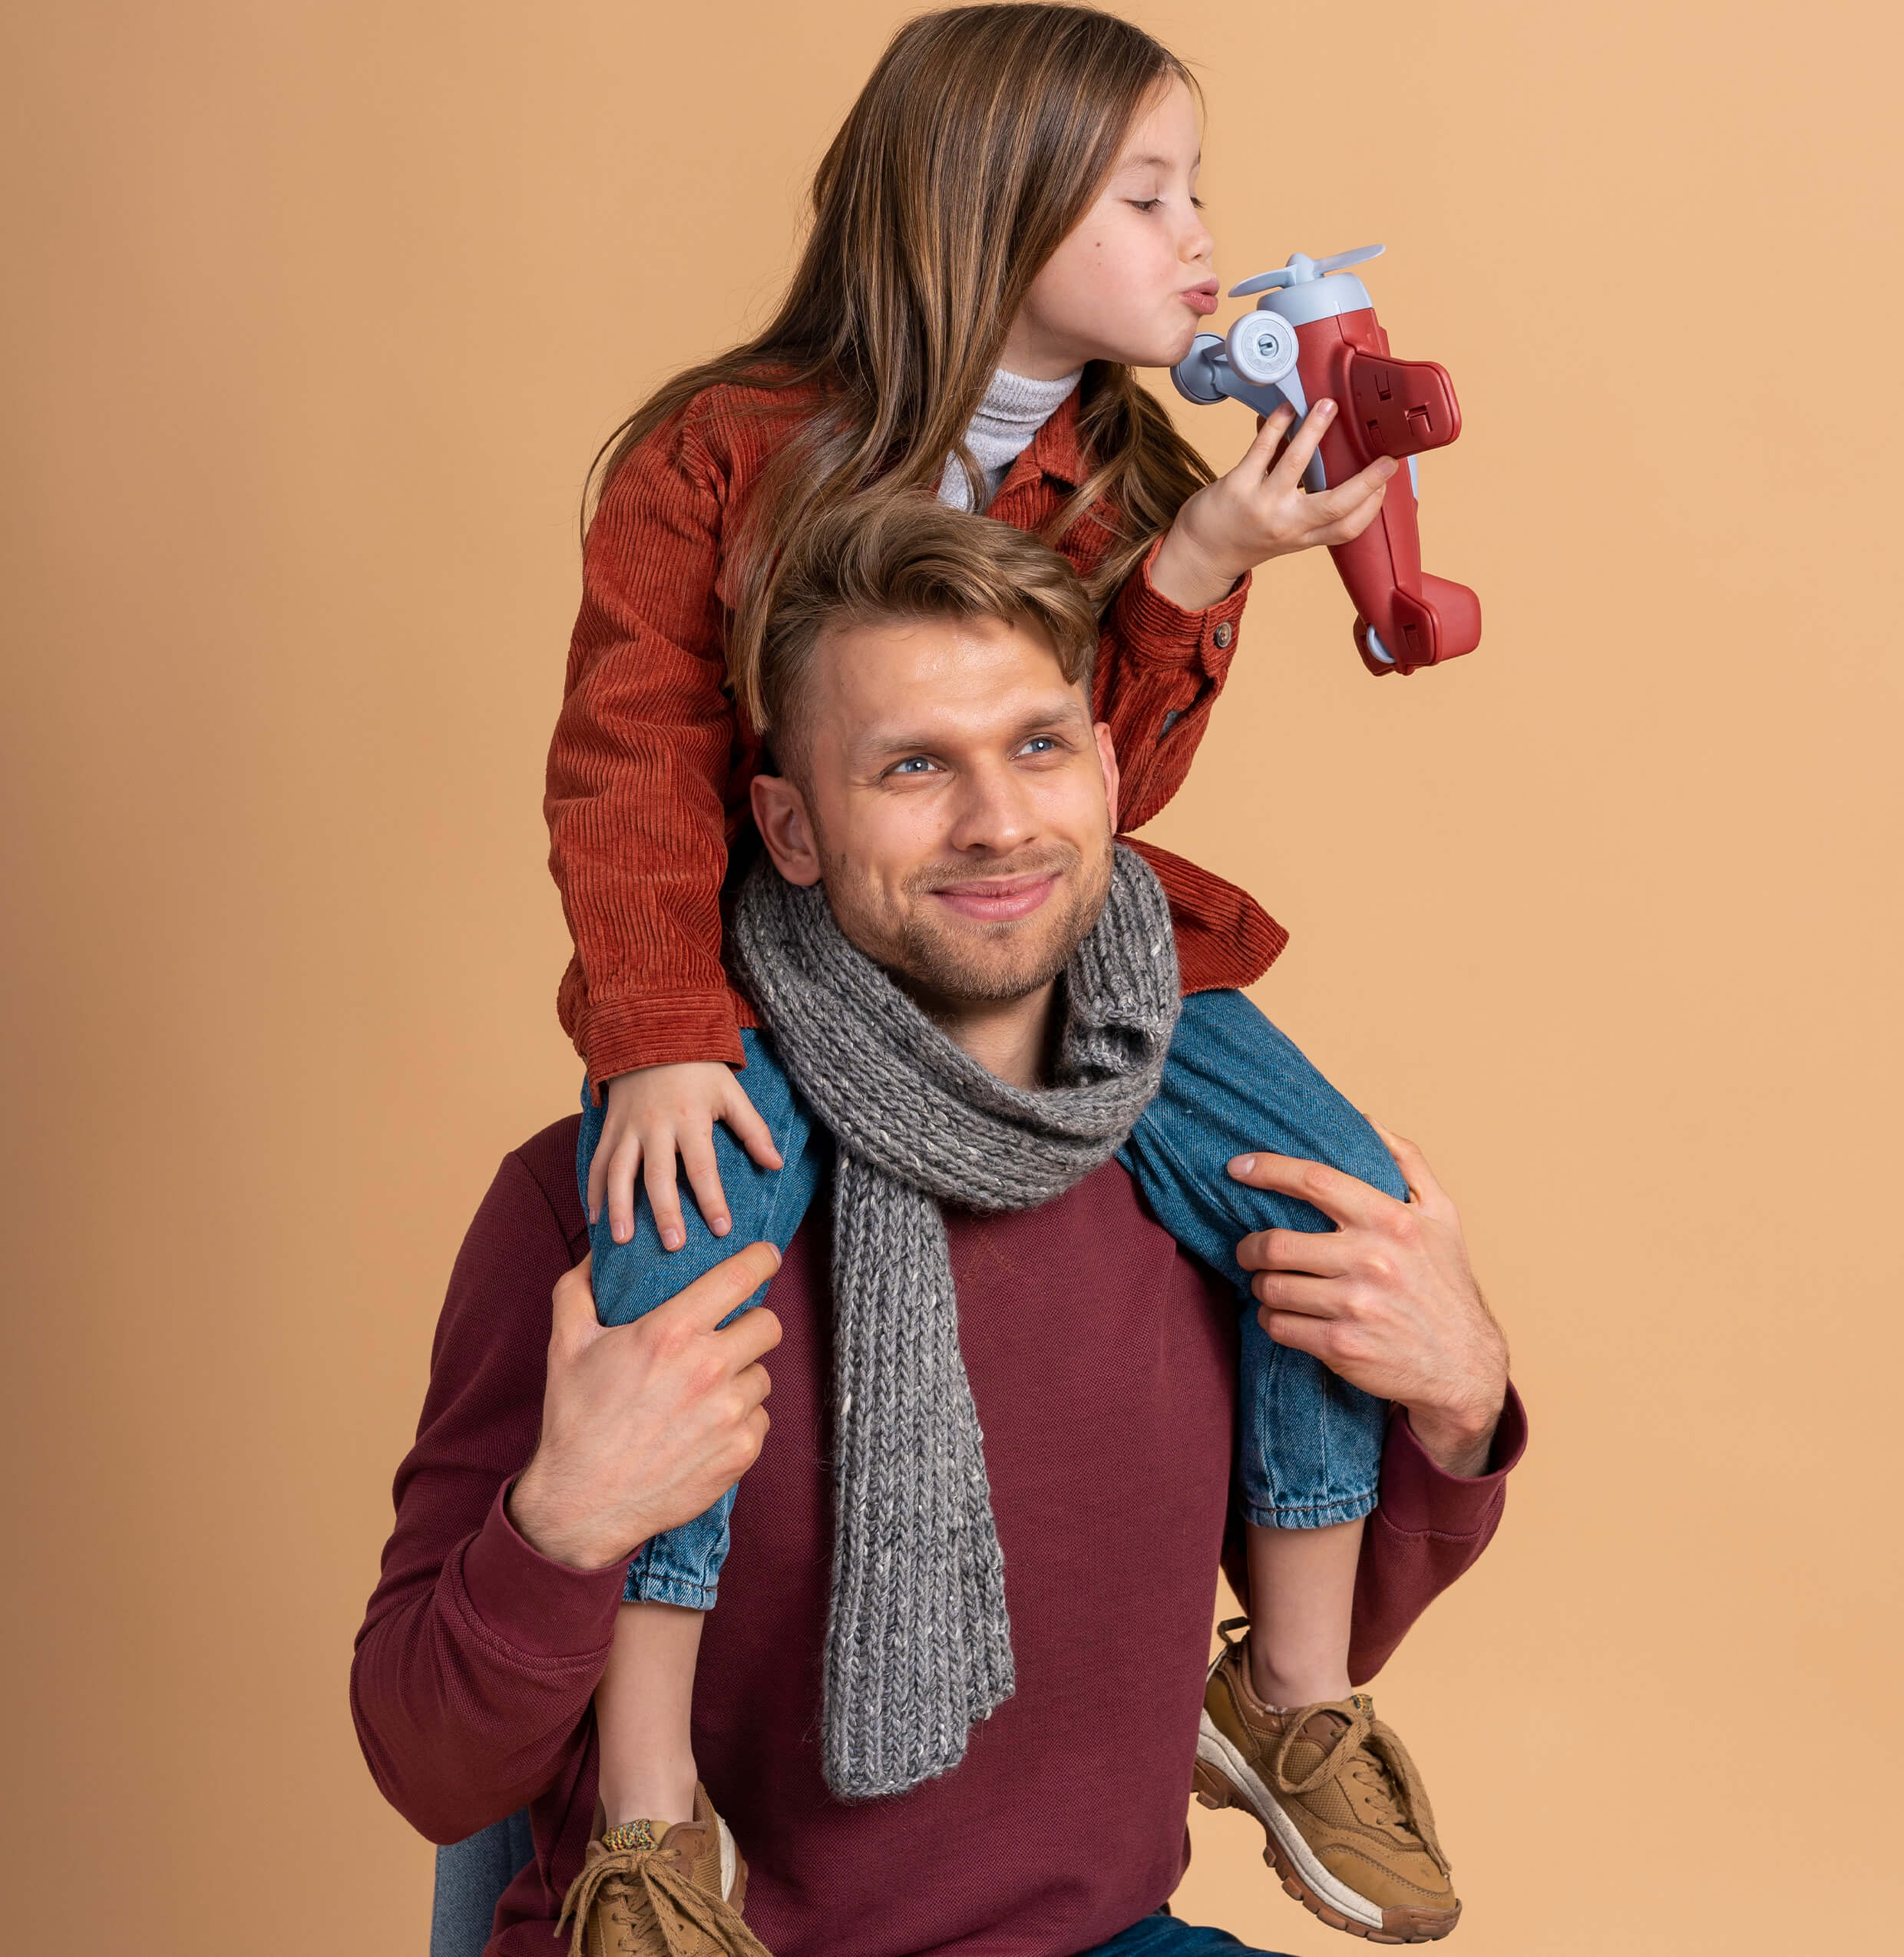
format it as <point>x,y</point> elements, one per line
<point>1375,656</point>
<point>1192,374</point>
<point>1262,347</point>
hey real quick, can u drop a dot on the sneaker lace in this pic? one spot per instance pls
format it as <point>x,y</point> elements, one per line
<point>1371,1754</point>
<point>647,1877</point>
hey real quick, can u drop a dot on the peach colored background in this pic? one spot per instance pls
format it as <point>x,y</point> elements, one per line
<point>313,315</point>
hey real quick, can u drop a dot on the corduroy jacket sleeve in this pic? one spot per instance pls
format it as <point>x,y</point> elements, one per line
<point>1159,669</point>
<point>638,768</point>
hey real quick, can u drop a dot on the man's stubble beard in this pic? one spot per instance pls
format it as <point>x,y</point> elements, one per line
<point>992,964</point>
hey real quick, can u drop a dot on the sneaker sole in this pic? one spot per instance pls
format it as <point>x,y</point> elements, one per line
<point>733,1870</point>
<point>1223,1779</point>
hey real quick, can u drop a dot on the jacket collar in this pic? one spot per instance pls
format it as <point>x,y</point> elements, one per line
<point>1054,450</point>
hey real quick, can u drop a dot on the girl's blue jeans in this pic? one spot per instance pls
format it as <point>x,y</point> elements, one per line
<point>1310,1444</point>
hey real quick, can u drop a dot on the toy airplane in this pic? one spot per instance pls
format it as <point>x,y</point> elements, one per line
<point>1312,337</point>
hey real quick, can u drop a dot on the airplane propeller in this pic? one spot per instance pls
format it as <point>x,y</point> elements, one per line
<point>1302,268</point>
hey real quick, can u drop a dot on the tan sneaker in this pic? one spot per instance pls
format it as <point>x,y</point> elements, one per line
<point>678,1896</point>
<point>1350,1831</point>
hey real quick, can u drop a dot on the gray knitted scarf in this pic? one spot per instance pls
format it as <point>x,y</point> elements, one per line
<point>918,1644</point>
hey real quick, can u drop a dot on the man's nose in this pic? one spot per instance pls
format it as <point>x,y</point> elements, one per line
<point>992,811</point>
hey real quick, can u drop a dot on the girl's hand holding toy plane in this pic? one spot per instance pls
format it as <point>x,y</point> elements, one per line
<point>1261,510</point>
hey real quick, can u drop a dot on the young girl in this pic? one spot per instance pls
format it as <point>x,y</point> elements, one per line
<point>1003,229</point>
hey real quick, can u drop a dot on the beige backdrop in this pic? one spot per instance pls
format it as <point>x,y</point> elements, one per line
<point>313,316</point>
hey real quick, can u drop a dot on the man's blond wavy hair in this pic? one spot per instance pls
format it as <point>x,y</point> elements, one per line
<point>889,557</point>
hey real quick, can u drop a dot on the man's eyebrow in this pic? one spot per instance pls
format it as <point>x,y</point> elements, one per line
<point>878,743</point>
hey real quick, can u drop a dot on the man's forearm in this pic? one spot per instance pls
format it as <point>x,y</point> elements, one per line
<point>561,1523</point>
<point>1458,1443</point>
<point>1455,1419</point>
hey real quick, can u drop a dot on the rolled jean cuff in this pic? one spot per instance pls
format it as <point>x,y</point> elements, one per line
<point>682,1566</point>
<point>646,1586</point>
<point>1327,1514</point>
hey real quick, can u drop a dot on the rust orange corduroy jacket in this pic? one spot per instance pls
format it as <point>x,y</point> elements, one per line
<point>649,767</point>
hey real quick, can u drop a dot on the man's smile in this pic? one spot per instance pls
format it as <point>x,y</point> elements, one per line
<point>999,900</point>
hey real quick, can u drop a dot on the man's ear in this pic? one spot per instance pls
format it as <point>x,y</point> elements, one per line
<point>1107,755</point>
<point>780,814</point>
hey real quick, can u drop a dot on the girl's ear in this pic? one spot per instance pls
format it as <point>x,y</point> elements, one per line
<point>780,814</point>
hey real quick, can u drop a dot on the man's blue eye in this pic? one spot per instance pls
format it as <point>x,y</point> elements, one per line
<point>1042,741</point>
<point>917,761</point>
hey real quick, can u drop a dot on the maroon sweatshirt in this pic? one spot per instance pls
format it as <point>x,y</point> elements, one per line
<point>1102,1359</point>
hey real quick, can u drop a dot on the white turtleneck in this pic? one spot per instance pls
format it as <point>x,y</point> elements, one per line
<point>1014,409</point>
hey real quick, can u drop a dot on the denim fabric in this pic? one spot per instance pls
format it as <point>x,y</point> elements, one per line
<point>684,1566</point>
<point>470,1877</point>
<point>1310,1444</point>
<point>1164,1936</point>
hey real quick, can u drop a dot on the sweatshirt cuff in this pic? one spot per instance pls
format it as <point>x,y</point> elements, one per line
<point>1154,631</point>
<point>537,1607</point>
<point>1420,1497</point>
<point>658,1029</point>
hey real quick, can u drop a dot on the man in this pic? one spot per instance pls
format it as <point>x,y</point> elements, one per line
<point>1100,1361</point>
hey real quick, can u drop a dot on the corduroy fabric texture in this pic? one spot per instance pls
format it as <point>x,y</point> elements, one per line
<point>918,1642</point>
<point>1014,409</point>
<point>649,770</point>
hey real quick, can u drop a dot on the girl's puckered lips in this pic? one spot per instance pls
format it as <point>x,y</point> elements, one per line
<point>1200,299</point>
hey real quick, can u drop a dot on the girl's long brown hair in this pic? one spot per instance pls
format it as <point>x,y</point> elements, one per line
<point>981,138</point>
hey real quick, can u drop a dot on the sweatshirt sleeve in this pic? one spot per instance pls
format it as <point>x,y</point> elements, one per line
<point>1159,669</point>
<point>478,1657</point>
<point>638,766</point>
<point>1429,1527</point>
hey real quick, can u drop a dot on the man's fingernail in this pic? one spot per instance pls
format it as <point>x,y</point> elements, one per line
<point>1242,1164</point>
<point>672,1238</point>
<point>719,1226</point>
<point>1324,409</point>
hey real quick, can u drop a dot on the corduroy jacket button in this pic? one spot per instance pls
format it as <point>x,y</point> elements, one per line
<point>1223,635</point>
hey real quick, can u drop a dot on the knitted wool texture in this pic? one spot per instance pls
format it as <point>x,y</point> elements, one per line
<point>918,1645</point>
<point>1014,409</point>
